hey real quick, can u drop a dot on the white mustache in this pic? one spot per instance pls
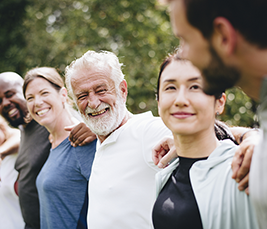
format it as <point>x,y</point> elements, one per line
<point>101,107</point>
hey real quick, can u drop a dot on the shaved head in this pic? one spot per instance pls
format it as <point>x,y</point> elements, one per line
<point>11,77</point>
<point>12,102</point>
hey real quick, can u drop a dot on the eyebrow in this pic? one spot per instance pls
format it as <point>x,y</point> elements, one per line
<point>101,85</point>
<point>195,78</point>
<point>191,79</point>
<point>86,91</point>
<point>169,81</point>
<point>80,93</point>
<point>38,91</point>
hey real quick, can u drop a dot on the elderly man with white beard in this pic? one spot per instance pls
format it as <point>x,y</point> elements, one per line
<point>121,186</point>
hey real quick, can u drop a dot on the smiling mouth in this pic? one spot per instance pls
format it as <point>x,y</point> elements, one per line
<point>98,113</point>
<point>182,115</point>
<point>42,112</point>
<point>12,111</point>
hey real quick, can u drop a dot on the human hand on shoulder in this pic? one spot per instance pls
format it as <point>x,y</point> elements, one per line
<point>80,134</point>
<point>164,152</point>
<point>242,158</point>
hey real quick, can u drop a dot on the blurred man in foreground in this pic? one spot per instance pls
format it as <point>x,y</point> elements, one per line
<point>227,41</point>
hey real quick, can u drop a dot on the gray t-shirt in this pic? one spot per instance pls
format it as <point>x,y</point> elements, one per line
<point>33,153</point>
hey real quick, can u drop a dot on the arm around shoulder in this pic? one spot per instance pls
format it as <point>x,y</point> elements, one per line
<point>11,142</point>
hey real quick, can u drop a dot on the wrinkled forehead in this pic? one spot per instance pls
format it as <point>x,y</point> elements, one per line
<point>91,73</point>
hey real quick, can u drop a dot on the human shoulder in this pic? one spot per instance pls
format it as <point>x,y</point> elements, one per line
<point>88,148</point>
<point>212,178</point>
<point>144,116</point>
<point>150,131</point>
<point>226,148</point>
<point>85,156</point>
<point>146,120</point>
<point>34,128</point>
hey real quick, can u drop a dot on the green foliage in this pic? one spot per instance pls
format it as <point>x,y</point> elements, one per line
<point>240,109</point>
<point>12,40</point>
<point>141,36</point>
<point>53,33</point>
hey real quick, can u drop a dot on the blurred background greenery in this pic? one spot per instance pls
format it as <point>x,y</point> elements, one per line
<point>55,32</point>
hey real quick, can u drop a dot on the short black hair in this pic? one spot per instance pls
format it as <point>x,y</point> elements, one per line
<point>246,16</point>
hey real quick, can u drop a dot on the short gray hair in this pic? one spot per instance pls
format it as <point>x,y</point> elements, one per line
<point>97,60</point>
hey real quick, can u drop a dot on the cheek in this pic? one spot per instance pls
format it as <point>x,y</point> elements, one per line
<point>197,54</point>
<point>207,109</point>
<point>167,98</point>
<point>193,56</point>
<point>109,99</point>
<point>164,104</point>
<point>29,106</point>
<point>82,106</point>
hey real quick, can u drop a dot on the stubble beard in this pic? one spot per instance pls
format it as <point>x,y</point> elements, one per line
<point>218,77</point>
<point>15,122</point>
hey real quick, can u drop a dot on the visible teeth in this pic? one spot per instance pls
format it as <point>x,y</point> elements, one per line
<point>12,111</point>
<point>98,113</point>
<point>42,111</point>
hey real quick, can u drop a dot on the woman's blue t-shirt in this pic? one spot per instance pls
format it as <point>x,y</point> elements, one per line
<point>62,186</point>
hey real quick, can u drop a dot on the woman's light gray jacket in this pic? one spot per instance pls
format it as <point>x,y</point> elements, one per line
<point>221,204</point>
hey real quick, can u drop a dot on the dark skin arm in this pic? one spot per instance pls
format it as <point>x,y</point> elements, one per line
<point>80,134</point>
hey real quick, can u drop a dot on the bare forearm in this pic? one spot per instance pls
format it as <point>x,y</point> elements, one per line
<point>241,133</point>
<point>11,145</point>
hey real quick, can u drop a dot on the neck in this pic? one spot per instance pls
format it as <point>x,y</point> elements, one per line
<point>127,116</point>
<point>198,145</point>
<point>56,129</point>
<point>253,65</point>
<point>27,119</point>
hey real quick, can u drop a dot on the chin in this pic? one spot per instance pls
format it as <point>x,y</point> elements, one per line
<point>183,130</point>
<point>15,123</point>
<point>42,122</point>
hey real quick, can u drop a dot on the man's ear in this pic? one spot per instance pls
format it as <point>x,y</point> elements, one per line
<point>123,89</point>
<point>224,37</point>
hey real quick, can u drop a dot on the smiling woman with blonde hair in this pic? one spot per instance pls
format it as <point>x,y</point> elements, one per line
<point>62,182</point>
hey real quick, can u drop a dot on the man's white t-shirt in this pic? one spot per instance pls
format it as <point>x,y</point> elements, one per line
<point>122,182</point>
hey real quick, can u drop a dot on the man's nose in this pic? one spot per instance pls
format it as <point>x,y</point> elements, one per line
<point>93,102</point>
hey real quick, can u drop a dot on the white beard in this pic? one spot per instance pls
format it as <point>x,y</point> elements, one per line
<point>105,125</point>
